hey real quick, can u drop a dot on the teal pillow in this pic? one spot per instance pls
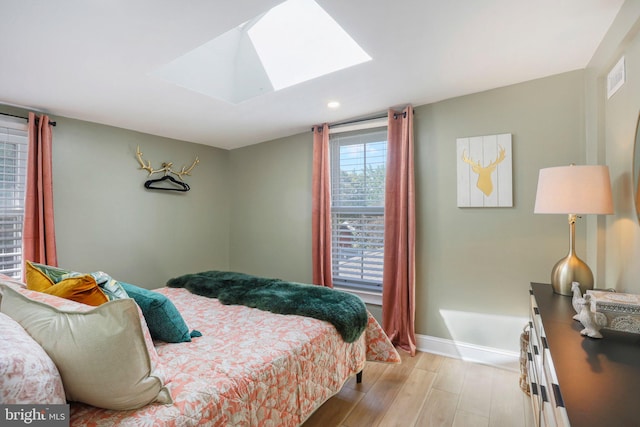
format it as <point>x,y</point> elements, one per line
<point>163,318</point>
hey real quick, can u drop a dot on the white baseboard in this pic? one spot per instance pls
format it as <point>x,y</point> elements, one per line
<point>470,352</point>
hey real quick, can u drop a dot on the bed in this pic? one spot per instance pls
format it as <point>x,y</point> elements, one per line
<point>249,368</point>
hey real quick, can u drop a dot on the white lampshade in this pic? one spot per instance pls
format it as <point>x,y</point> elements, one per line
<point>574,190</point>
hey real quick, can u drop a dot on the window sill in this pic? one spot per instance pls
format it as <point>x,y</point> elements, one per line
<point>372,298</point>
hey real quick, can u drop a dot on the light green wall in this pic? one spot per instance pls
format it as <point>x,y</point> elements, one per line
<point>473,265</point>
<point>271,199</point>
<point>615,240</point>
<point>106,220</point>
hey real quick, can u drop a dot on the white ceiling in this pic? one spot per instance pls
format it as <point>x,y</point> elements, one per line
<point>92,60</point>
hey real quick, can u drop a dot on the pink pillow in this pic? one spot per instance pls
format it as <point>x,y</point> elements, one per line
<point>27,373</point>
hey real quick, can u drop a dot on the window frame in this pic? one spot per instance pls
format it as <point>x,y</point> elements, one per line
<point>14,131</point>
<point>370,294</point>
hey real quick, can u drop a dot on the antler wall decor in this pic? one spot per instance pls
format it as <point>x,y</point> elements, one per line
<point>166,167</point>
<point>168,171</point>
<point>485,184</point>
<point>484,171</point>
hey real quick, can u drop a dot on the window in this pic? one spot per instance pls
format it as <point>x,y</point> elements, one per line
<point>13,169</point>
<point>358,166</point>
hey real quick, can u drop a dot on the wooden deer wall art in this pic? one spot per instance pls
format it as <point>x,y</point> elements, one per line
<point>484,171</point>
<point>167,182</point>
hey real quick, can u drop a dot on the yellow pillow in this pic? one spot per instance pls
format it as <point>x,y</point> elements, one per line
<point>83,289</point>
<point>36,279</point>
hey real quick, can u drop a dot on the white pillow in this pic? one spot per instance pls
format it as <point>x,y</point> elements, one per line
<point>101,353</point>
<point>27,373</point>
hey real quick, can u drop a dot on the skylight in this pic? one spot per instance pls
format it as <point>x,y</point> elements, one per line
<point>293,42</point>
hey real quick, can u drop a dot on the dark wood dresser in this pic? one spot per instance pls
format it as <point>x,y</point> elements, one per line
<point>576,380</point>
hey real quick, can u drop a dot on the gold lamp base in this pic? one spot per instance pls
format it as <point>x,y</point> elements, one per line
<point>568,270</point>
<point>571,268</point>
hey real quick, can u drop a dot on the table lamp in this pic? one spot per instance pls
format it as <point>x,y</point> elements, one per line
<point>573,190</point>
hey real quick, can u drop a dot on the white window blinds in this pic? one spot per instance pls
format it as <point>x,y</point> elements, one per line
<point>13,169</point>
<point>358,166</point>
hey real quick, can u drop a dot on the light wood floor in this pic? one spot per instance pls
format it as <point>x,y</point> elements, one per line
<point>428,390</point>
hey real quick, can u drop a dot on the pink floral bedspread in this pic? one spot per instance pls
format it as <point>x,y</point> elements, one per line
<point>250,368</point>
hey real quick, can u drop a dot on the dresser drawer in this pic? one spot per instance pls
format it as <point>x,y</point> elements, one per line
<point>548,405</point>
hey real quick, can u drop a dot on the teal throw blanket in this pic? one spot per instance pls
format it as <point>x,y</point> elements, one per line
<point>345,311</point>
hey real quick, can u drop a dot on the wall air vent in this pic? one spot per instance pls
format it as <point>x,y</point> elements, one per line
<point>615,78</point>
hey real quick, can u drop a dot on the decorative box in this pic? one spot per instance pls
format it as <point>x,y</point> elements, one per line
<point>622,310</point>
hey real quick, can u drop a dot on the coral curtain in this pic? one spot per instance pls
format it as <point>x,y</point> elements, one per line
<point>321,208</point>
<point>38,235</point>
<point>398,295</point>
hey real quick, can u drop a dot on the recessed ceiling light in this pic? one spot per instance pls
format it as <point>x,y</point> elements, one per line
<point>333,104</point>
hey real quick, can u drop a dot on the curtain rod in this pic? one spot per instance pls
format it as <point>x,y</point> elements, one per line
<point>350,122</point>
<point>24,118</point>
